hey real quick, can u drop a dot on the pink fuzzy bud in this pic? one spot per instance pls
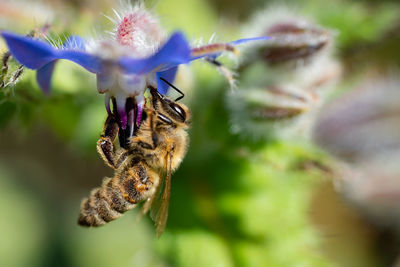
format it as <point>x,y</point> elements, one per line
<point>139,30</point>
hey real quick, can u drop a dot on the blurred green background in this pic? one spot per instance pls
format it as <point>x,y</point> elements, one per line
<point>234,202</point>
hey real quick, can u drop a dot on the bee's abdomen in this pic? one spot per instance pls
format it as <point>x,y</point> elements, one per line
<point>117,195</point>
<point>105,203</point>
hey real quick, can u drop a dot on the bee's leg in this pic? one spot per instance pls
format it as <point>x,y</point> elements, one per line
<point>105,145</point>
<point>148,143</point>
<point>139,183</point>
<point>154,136</point>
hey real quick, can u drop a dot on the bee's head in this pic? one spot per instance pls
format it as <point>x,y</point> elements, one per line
<point>170,112</point>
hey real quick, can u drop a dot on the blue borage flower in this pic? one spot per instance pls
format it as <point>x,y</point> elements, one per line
<point>137,58</point>
<point>41,56</point>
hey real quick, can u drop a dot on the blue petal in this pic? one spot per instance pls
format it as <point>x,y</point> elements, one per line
<point>31,53</point>
<point>43,76</point>
<point>168,75</point>
<point>214,54</point>
<point>174,52</point>
<point>75,42</point>
<point>90,62</point>
<point>245,40</point>
<point>34,54</point>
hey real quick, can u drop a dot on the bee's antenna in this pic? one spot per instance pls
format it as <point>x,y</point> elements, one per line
<point>170,84</point>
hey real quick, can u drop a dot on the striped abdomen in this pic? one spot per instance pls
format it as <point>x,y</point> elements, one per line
<point>118,194</point>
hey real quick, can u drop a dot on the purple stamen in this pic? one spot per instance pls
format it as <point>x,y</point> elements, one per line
<point>130,111</point>
<point>123,118</point>
<point>107,104</point>
<point>139,114</point>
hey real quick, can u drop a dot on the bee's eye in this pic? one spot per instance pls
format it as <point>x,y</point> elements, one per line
<point>164,118</point>
<point>179,111</point>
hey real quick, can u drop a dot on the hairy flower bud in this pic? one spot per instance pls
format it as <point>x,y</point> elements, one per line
<point>294,40</point>
<point>361,129</point>
<point>282,81</point>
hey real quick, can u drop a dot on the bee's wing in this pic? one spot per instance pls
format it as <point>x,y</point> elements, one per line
<point>160,203</point>
<point>153,201</point>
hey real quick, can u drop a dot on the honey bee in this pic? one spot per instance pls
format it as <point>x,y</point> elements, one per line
<point>143,170</point>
